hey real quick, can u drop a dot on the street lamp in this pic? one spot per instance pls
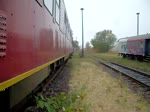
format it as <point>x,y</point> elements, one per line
<point>82,33</point>
<point>137,23</point>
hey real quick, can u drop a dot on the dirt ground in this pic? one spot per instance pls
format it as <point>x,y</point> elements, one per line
<point>104,93</point>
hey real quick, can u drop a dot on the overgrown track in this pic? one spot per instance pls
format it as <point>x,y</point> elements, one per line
<point>138,81</point>
<point>137,75</point>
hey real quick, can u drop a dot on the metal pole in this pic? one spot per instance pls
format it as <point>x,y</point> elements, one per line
<point>137,23</point>
<point>82,33</point>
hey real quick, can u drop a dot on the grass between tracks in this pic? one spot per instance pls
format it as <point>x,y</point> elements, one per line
<point>93,90</point>
<point>144,66</point>
<point>101,92</point>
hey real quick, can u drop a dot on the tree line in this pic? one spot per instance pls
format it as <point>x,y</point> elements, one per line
<point>102,42</point>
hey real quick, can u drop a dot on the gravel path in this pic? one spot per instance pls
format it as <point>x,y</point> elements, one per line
<point>105,93</point>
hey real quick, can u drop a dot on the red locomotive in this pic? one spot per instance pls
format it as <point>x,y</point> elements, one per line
<point>35,36</point>
<point>135,47</point>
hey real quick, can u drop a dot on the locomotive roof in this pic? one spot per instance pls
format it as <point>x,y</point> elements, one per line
<point>144,36</point>
<point>122,40</point>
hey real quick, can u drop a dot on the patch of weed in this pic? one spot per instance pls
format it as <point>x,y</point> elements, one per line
<point>63,102</point>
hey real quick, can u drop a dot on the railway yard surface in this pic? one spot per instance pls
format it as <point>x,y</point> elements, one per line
<point>99,89</point>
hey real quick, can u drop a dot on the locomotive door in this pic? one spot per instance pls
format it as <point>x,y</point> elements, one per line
<point>147,47</point>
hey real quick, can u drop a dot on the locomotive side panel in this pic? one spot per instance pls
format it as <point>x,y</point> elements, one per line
<point>36,38</point>
<point>19,31</point>
<point>18,91</point>
<point>44,35</point>
<point>136,47</point>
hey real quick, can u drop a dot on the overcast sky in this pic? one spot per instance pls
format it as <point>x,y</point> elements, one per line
<point>116,15</point>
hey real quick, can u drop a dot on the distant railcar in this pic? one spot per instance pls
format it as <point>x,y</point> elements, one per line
<point>35,37</point>
<point>135,47</point>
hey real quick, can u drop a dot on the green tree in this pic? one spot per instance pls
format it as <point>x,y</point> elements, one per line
<point>76,45</point>
<point>103,40</point>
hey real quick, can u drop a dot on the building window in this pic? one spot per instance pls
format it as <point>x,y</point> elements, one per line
<point>57,11</point>
<point>49,5</point>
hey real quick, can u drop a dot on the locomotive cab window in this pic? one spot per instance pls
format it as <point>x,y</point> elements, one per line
<point>49,5</point>
<point>57,10</point>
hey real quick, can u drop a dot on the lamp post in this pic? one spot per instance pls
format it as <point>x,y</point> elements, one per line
<point>82,33</point>
<point>137,23</point>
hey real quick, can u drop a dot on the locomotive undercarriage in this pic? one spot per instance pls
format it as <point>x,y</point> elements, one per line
<point>25,89</point>
<point>135,57</point>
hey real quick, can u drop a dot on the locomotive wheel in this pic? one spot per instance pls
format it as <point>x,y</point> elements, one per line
<point>140,58</point>
<point>124,55</point>
<point>132,57</point>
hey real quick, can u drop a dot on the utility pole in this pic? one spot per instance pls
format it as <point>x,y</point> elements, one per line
<point>82,33</point>
<point>137,23</point>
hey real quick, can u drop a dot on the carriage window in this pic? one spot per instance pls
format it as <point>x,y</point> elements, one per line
<point>57,10</point>
<point>49,5</point>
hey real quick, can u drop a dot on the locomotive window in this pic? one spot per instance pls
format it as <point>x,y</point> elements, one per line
<point>49,5</point>
<point>57,10</point>
<point>58,2</point>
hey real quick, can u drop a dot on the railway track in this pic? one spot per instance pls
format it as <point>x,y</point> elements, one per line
<point>137,75</point>
<point>138,81</point>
